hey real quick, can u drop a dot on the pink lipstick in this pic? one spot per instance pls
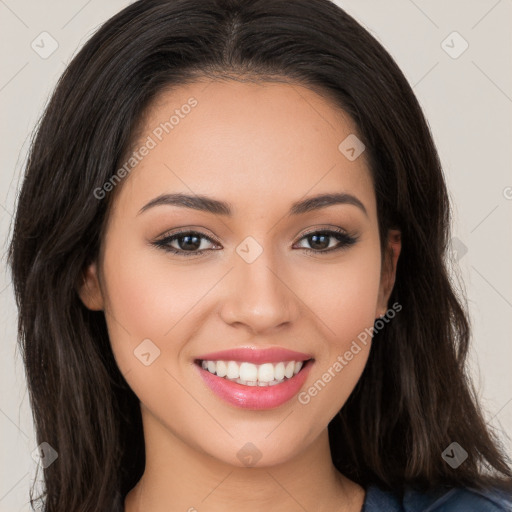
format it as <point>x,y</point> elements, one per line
<point>255,378</point>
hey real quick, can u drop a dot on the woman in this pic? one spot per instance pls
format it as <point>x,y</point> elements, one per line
<point>229,258</point>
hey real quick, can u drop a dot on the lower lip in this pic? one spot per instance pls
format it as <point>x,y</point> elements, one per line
<point>255,397</point>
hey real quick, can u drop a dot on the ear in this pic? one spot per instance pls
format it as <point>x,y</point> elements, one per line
<point>388,272</point>
<point>89,289</point>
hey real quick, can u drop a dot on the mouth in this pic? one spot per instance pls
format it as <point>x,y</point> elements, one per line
<point>254,386</point>
<point>250,374</point>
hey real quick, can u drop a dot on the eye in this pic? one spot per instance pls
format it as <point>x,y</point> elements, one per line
<point>190,243</point>
<point>320,241</point>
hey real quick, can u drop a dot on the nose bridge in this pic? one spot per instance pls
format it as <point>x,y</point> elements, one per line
<point>258,295</point>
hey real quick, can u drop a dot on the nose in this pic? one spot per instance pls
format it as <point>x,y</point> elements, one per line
<point>259,296</point>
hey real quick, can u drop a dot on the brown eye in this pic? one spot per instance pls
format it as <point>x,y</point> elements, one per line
<point>188,243</point>
<point>320,241</point>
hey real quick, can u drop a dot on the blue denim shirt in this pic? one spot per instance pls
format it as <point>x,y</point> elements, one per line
<point>441,500</point>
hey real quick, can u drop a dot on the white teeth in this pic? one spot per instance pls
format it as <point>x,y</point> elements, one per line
<point>233,370</point>
<point>290,367</point>
<point>248,371</point>
<point>279,371</point>
<point>222,369</point>
<point>249,374</point>
<point>266,372</point>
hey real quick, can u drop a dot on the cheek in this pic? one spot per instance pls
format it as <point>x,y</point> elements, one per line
<point>353,302</point>
<point>345,298</point>
<point>147,298</point>
<point>151,304</point>
<point>344,295</point>
<point>148,291</point>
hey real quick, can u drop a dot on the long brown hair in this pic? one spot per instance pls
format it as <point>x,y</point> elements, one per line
<point>414,397</point>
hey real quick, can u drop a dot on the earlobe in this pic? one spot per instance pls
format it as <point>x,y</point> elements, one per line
<point>388,273</point>
<point>89,289</point>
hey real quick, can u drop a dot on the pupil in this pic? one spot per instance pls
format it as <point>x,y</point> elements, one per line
<point>314,244</point>
<point>190,245</point>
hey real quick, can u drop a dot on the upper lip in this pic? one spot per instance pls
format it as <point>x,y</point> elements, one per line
<point>255,355</point>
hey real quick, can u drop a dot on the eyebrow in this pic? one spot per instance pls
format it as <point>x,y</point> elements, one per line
<point>210,205</point>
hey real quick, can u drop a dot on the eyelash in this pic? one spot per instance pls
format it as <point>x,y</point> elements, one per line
<point>344,239</point>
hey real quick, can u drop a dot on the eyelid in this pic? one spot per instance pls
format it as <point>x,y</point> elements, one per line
<point>187,231</point>
<point>336,229</point>
<point>197,231</point>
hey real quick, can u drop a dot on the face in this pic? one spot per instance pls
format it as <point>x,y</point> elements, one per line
<point>267,275</point>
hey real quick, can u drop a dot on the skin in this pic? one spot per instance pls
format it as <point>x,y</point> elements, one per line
<point>261,147</point>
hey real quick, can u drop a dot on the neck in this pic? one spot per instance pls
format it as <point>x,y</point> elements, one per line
<point>178,477</point>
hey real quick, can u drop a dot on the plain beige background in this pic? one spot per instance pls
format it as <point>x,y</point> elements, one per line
<point>466,94</point>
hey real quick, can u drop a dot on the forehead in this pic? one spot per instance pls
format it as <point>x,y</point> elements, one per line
<point>246,140</point>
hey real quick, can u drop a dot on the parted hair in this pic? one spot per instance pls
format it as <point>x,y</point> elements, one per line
<point>414,397</point>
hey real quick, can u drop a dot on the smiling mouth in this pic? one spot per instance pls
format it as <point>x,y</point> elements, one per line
<point>250,374</point>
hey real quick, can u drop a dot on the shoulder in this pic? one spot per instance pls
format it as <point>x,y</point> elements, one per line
<point>456,499</point>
